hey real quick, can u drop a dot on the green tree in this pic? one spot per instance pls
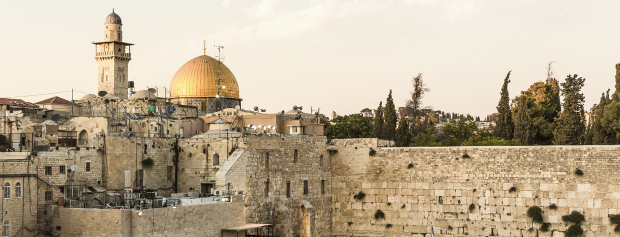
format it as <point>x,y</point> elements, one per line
<point>403,136</point>
<point>543,108</point>
<point>350,126</point>
<point>427,138</point>
<point>390,118</point>
<point>379,121</point>
<point>570,129</point>
<point>610,121</point>
<point>523,121</point>
<point>504,126</point>
<point>601,135</point>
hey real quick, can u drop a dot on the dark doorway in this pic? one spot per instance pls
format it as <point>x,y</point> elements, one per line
<point>205,188</point>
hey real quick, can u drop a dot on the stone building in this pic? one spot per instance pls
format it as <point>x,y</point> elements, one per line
<point>113,56</point>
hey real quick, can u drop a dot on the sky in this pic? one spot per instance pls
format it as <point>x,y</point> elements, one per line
<point>340,56</point>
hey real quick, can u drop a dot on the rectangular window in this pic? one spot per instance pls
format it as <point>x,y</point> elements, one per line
<point>140,177</point>
<point>322,186</point>
<point>61,189</point>
<point>169,173</point>
<point>288,189</point>
<point>48,170</point>
<point>87,166</point>
<point>266,189</point>
<point>5,230</point>
<point>62,169</point>
<point>305,187</point>
<point>48,195</point>
<point>7,191</point>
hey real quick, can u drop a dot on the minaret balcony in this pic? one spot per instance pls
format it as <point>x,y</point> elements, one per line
<point>113,54</point>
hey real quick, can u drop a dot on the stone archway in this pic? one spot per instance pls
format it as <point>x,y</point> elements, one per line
<point>83,138</point>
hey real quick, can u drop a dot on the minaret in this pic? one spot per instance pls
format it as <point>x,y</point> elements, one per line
<point>113,56</point>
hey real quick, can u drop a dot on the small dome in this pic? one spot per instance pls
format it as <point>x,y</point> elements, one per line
<point>88,97</point>
<point>143,94</point>
<point>113,19</point>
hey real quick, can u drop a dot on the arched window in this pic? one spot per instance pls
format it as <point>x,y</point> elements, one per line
<point>7,190</point>
<point>83,138</point>
<point>18,190</point>
<point>266,159</point>
<point>216,159</point>
<point>5,228</point>
<point>295,156</point>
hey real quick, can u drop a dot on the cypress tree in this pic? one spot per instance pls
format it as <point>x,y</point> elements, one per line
<point>523,121</point>
<point>390,118</point>
<point>610,122</point>
<point>379,121</point>
<point>403,136</point>
<point>504,127</point>
<point>601,135</point>
<point>570,129</point>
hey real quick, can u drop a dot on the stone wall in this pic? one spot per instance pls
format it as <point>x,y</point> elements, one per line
<point>417,188</point>
<point>197,220</point>
<point>196,160</point>
<point>282,169</point>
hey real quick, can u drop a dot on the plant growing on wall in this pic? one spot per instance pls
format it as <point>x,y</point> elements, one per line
<point>472,207</point>
<point>553,206</point>
<point>512,189</point>
<point>615,219</point>
<point>535,213</point>
<point>402,207</point>
<point>148,162</point>
<point>350,223</point>
<point>410,166</point>
<point>578,172</point>
<point>388,226</point>
<point>359,196</point>
<point>466,156</point>
<point>545,227</point>
<point>576,218</point>
<point>372,152</point>
<point>2,149</point>
<point>379,215</point>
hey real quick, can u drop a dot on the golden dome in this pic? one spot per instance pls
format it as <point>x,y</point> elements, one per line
<point>198,78</point>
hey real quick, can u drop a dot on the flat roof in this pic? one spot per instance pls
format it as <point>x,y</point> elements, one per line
<point>247,227</point>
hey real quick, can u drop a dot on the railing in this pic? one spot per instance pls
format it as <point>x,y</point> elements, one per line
<point>113,53</point>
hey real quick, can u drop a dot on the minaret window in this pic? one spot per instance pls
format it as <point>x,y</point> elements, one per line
<point>106,77</point>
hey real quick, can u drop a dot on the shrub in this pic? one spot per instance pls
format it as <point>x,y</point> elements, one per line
<point>574,231</point>
<point>389,204</point>
<point>615,219</point>
<point>148,162</point>
<point>379,215</point>
<point>388,226</point>
<point>536,214</point>
<point>512,190</point>
<point>359,196</point>
<point>545,227</point>
<point>553,206</point>
<point>578,172</point>
<point>466,156</point>
<point>372,152</point>
<point>472,207</point>
<point>410,166</point>
<point>574,217</point>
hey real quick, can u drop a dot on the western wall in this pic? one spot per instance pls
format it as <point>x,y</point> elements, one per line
<point>419,188</point>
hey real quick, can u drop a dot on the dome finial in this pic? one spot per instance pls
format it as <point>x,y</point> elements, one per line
<point>112,9</point>
<point>204,47</point>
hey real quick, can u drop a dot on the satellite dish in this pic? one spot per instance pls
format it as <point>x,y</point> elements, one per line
<point>56,117</point>
<point>294,107</point>
<point>237,107</point>
<point>152,90</point>
<point>102,93</point>
<point>137,208</point>
<point>256,108</point>
<point>73,167</point>
<point>301,108</point>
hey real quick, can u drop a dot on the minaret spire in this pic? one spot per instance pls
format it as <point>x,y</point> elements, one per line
<point>204,47</point>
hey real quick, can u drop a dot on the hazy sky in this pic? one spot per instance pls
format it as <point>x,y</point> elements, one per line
<point>340,56</point>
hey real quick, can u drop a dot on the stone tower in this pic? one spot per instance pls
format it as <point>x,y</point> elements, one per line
<point>113,56</point>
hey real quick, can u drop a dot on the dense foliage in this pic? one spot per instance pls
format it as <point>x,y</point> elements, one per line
<point>350,126</point>
<point>504,127</point>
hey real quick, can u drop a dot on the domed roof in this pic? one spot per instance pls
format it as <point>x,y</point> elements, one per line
<point>143,94</point>
<point>198,78</point>
<point>113,19</point>
<point>88,97</point>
